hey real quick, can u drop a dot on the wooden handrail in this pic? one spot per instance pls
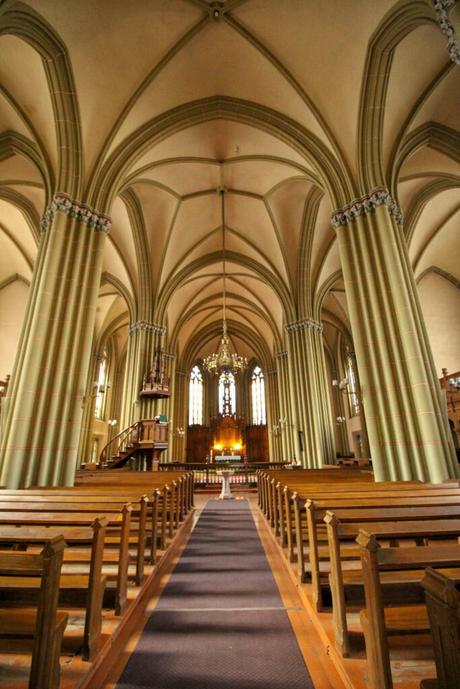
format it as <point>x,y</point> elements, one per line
<point>118,440</point>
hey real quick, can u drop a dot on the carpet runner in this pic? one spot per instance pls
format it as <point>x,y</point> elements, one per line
<point>220,622</point>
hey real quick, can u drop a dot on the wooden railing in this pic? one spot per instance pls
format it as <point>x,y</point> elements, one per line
<point>126,438</point>
<point>206,474</point>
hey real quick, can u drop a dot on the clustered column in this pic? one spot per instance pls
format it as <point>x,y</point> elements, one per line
<point>179,419</point>
<point>407,430</point>
<point>308,385</point>
<point>89,403</point>
<point>44,406</point>
<point>144,339</point>
<point>285,423</point>
<point>164,406</point>
<point>273,415</point>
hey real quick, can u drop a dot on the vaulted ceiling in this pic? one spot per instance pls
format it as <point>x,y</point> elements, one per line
<point>146,110</point>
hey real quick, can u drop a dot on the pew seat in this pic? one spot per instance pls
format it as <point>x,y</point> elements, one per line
<point>40,629</point>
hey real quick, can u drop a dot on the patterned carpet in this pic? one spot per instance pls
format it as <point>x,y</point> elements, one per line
<point>220,622</point>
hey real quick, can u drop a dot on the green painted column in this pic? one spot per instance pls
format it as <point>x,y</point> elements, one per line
<point>144,338</point>
<point>46,394</point>
<point>310,393</point>
<point>285,421</point>
<point>322,385</point>
<point>165,406</point>
<point>89,404</point>
<point>273,415</point>
<point>408,435</point>
<point>179,416</point>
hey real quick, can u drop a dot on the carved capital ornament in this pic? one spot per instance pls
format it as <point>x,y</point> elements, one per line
<point>62,203</point>
<point>367,204</point>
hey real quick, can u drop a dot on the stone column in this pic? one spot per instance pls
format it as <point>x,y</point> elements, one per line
<point>273,415</point>
<point>408,436</point>
<point>286,417</point>
<point>42,428</point>
<point>164,406</point>
<point>89,404</point>
<point>327,420</point>
<point>309,381</point>
<point>144,338</point>
<point>179,420</point>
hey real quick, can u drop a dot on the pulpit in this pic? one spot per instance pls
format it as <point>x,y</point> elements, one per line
<point>154,439</point>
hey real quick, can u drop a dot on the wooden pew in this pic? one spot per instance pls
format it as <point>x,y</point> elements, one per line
<point>103,494</point>
<point>344,533</point>
<point>117,522</point>
<point>379,622</point>
<point>363,513</point>
<point>43,628</point>
<point>394,497</point>
<point>72,587</point>
<point>442,594</point>
<point>68,503</point>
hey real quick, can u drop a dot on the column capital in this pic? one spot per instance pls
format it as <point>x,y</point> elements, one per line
<point>62,203</point>
<point>367,204</point>
<point>281,355</point>
<point>303,324</point>
<point>168,356</point>
<point>180,373</point>
<point>145,326</point>
<point>442,8</point>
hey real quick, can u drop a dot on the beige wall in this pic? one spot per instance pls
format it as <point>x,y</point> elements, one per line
<point>440,301</point>
<point>13,300</point>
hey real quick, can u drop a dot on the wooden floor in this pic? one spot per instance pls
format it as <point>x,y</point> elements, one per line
<point>407,672</point>
<point>322,670</point>
<point>313,631</point>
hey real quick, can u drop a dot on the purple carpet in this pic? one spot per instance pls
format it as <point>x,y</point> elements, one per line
<point>220,622</point>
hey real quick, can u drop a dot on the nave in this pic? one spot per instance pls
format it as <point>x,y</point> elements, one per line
<point>220,621</point>
<point>326,579</point>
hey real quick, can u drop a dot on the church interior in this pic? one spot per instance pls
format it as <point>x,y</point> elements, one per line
<point>229,351</point>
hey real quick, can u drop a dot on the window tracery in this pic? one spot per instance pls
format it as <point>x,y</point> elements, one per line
<point>259,416</point>
<point>195,416</point>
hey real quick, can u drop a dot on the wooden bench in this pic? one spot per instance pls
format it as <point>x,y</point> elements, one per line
<point>175,499</point>
<point>43,629</point>
<point>69,503</point>
<point>379,622</point>
<point>341,578</point>
<point>117,535</point>
<point>73,588</point>
<point>360,512</point>
<point>145,511</point>
<point>442,594</point>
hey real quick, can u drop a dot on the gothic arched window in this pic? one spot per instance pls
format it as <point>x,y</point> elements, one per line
<point>101,386</point>
<point>259,416</point>
<point>227,394</point>
<point>195,413</point>
<point>353,384</point>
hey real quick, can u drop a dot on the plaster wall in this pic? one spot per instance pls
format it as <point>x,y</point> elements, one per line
<point>13,301</point>
<point>440,301</point>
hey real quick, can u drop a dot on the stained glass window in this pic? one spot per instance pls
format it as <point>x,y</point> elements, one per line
<point>195,414</point>
<point>227,394</point>
<point>259,416</point>
<point>101,387</point>
<point>352,384</point>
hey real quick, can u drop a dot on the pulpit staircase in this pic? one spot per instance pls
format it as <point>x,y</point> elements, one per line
<point>147,437</point>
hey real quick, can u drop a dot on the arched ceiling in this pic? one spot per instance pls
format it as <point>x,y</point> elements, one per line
<point>279,111</point>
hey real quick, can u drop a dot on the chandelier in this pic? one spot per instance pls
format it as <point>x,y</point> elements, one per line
<point>224,360</point>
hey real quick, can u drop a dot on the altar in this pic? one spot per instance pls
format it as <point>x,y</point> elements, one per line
<point>219,459</point>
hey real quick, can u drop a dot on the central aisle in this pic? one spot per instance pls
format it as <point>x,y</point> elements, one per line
<point>220,622</point>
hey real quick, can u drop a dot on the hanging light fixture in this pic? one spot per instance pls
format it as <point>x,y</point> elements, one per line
<point>224,360</point>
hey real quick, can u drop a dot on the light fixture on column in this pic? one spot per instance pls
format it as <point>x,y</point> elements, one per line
<point>224,360</point>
